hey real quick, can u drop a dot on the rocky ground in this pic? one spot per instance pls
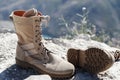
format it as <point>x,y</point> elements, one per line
<point>10,71</point>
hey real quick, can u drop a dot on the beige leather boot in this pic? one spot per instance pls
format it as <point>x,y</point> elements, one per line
<point>31,52</point>
<point>93,60</point>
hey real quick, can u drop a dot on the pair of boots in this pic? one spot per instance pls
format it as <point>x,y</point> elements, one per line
<point>31,53</point>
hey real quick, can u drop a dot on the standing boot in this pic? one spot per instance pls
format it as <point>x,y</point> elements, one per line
<point>31,52</point>
<point>93,60</point>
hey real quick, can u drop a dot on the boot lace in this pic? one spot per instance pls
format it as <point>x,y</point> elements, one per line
<point>42,50</point>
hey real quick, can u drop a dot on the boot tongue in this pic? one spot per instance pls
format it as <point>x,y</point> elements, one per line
<point>30,12</point>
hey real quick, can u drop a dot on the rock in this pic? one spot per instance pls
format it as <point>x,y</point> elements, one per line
<point>9,71</point>
<point>39,77</point>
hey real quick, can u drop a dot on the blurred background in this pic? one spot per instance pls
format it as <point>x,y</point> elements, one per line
<point>98,18</point>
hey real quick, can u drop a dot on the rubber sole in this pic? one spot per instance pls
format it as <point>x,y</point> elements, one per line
<point>93,60</point>
<point>58,75</point>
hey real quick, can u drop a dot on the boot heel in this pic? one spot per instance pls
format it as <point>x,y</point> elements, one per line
<point>72,56</point>
<point>22,64</point>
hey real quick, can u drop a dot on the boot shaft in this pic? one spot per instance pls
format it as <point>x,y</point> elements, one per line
<point>27,28</point>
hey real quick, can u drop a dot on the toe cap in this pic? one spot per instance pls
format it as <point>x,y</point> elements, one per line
<point>65,66</point>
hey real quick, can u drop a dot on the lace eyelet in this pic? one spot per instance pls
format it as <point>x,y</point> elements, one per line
<point>38,48</point>
<point>39,44</point>
<point>35,40</point>
<point>37,25</point>
<point>37,20</point>
<point>42,53</point>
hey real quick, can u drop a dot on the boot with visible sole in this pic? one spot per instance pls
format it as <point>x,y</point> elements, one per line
<point>31,52</point>
<point>93,60</point>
